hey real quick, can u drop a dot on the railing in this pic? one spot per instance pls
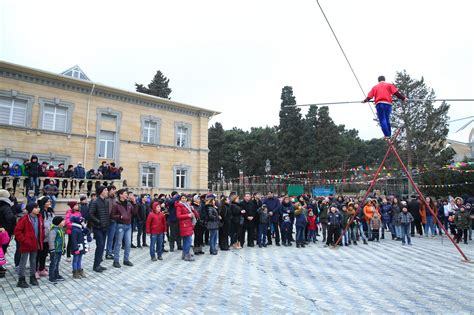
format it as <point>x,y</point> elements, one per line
<point>68,188</point>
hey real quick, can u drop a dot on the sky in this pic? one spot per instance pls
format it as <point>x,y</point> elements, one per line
<point>235,56</point>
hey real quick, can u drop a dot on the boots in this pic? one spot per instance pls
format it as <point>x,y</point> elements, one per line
<point>81,273</point>
<point>76,275</point>
<point>22,283</point>
<point>33,281</point>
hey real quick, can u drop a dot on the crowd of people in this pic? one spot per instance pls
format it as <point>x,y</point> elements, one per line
<point>189,223</point>
<point>36,172</point>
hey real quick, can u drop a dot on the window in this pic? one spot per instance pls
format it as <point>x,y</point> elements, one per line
<point>181,178</point>
<point>148,177</point>
<point>13,111</point>
<point>150,129</point>
<point>149,173</point>
<point>106,144</point>
<point>55,115</point>
<point>149,132</point>
<point>106,117</point>
<point>54,118</point>
<point>182,135</point>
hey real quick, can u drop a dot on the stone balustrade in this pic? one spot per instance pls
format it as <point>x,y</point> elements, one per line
<point>68,188</point>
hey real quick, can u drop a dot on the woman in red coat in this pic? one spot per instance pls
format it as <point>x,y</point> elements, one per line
<point>187,219</point>
<point>29,232</point>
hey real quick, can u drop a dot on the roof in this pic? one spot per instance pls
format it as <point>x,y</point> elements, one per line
<point>106,88</point>
<point>76,72</point>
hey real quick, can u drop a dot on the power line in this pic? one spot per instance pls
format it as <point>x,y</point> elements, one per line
<point>345,56</point>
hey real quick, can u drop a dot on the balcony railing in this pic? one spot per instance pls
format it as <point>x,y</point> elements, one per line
<point>68,188</point>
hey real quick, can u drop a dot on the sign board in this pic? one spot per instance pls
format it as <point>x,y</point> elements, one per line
<point>295,190</point>
<point>324,190</point>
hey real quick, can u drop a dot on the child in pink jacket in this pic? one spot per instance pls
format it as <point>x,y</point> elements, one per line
<point>4,239</point>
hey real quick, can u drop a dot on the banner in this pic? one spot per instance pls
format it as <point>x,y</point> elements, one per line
<point>324,190</point>
<point>295,190</point>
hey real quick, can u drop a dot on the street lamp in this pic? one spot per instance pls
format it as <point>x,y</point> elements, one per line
<point>268,166</point>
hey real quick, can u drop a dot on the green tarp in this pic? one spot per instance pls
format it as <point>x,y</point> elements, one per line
<point>295,190</point>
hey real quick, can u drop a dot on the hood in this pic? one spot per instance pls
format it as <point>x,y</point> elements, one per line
<point>5,164</point>
<point>33,157</point>
<point>15,164</point>
<point>75,219</point>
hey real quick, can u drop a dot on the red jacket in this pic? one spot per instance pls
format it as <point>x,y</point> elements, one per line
<point>312,223</point>
<point>156,223</point>
<point>186,227</point>
<point>25,234</point>
<point>69,214</point>
<point>51,173</point>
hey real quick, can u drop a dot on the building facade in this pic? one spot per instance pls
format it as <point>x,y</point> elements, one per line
<point>161,144</point>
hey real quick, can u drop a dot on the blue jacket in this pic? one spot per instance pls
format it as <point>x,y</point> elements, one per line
<point>286,226</point>
<point>300,220</point>
<point>79,172</point>
<point>386,211</point>
<point>172,209</point>
<point>274,206</point>
<point>334,219</point>
<point>15,172</point>
<point>79,236</point>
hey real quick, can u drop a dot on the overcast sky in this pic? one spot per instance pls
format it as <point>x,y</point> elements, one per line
<point>235,56</point>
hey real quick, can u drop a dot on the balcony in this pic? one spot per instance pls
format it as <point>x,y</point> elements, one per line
<point>68,188</point>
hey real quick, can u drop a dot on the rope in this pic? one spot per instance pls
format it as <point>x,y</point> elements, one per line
<point>345,56</point>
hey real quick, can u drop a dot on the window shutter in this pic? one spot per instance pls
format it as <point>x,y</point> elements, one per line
<point>19,113</point>
<point>5,108</point>
<point>61,119</point>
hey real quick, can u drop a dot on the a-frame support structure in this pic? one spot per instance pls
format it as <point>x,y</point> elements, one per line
<point>392,149</point>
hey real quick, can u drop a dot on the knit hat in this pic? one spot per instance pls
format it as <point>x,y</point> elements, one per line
<point>100,189</point>
<point>196,198</point>
<point>57,220</point>
<point>31,206</point>
<point>71,204</point>
<point>210,196</point>
<point>4,193</point>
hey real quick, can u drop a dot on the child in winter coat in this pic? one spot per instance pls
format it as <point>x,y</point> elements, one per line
<point>286,229</point>
<point>156,228</point>
<point>405,219</point>
<point>29,233</point>
<point>80,238</point>
<point>4,239</point>
<point>300,223</point>
<point>263,222</point>
<point>312,226</point>
<point>462,220</point>
<point>375,224</point>
<point>56,241</point>
<point>72,211</point>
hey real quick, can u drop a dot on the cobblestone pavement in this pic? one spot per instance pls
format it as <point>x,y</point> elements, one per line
<point>384,277</point>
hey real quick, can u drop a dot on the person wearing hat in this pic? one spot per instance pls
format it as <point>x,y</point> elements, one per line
<point>80,173</point>
<point>7,216</point>
<point>199,227</point>
<point>29,232</point>
<point>463,221</point>
<point>286,230</point>
<point>100,217</point>
<point>33,169</point>
<point>173,223</point>
<point>263,223</point>
<point>56,241</point>
<point>72,211</point>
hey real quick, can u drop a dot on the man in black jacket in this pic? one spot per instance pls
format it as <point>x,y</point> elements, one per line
<point>250,217</point>
<point>414,208</point>
<point>33,169</point>
<point>142,214</point>
<point>100,218</point>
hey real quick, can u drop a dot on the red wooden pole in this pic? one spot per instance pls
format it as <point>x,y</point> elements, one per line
<point>390,148</point>
<point>424,200</point>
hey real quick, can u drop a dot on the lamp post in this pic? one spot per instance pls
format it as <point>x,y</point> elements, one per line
<point>268,168</point>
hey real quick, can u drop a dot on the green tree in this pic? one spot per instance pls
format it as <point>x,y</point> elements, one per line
<point>310,149</point>
<point>425,126</point>
<point>157,87</point>
<point>290,134</point>
<point>216,139</point>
